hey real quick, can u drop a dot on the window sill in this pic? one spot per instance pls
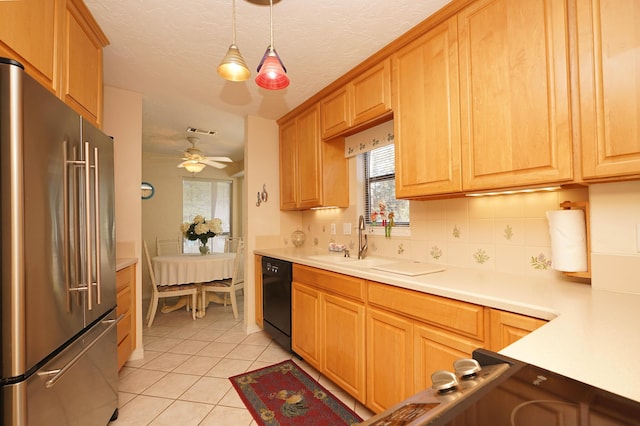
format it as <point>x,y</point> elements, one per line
<point>396,231</point>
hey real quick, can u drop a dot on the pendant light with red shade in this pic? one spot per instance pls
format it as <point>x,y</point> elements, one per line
<point>272,75</point>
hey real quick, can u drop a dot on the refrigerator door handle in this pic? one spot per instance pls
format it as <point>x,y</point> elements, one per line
<point>87,230</point>
<point>59,372</point>
<point>96,203</point>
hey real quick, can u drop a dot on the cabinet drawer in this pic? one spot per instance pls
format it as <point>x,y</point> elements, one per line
<point>124,350</point>
<point>462,317</point>
<point>330,281</point>
<point>124,327</point>
<point>124,277</point>
<point>124,301</point>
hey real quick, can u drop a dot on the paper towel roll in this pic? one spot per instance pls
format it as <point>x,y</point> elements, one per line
<point>568,240</point>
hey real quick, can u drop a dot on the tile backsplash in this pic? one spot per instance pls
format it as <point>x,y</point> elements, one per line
<point>507,233</point>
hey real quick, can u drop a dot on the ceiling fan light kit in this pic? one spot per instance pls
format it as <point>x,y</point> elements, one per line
<point>272,75</point>
<point>195,162</point>
<point>193,167</point>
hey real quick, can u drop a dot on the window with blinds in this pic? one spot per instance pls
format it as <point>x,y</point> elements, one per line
<point>380,185</point>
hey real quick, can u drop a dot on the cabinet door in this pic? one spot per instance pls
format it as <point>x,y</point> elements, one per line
<point>28,31</point>
<point>335,113</point>
<point>288,166</point>
<point>609,72</point>
<point>507,327</point>
<point>309,168</point>
<point>426,106</point>
<point>437,349</point>
<point>389,359</point>
<point>515,113</point>
<point>343,350</point>
<point>257,264</point>
<point>305,323</point>
<point>82,73</point>
<point>370,94</point>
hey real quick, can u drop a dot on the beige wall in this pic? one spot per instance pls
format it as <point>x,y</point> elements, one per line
<point>264,224</point>
<point>123,121</point>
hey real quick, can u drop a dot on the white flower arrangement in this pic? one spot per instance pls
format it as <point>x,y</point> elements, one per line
<point>201,229</point>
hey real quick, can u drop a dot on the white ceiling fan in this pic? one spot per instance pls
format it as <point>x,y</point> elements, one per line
<point>195,161</point>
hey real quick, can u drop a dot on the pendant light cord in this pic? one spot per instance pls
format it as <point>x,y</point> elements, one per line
<point>271,21</point>
<point>233,22</point>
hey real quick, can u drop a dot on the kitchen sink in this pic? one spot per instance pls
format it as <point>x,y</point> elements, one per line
<point>351,261</point>
<point>332,258</point>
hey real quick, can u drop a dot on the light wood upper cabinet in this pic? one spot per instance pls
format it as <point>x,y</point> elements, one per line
<point>28,31</point>
<point>335,113</point>
<point>609,87</point>
<point>82,64</point>
<point>370,93</point>
<point>427,114</point>
<point>60,45</point>
<point>311,169</point>
<point>514,92</point>
<point>364,99</point>
<point>288,166</point>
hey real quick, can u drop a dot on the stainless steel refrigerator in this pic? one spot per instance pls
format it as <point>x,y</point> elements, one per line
<point>58,297</point>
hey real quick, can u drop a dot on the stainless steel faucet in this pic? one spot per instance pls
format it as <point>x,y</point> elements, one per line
<point>362,248</point>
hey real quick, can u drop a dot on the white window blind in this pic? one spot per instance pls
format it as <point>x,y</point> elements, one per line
<point>210,198</point>
<point>380,186</point>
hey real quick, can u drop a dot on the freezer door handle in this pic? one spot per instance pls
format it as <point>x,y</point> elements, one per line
<point>96,218</point>
<point>59,372</point>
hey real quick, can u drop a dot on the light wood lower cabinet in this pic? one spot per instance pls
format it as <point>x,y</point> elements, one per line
<point>328,326</point>
<point>258,278</point>
<point>305,323</point>
<point>390,357</point>
<point>343,347</point>
<point>381,343</point>
<point>405,341</point>
<point>507,328</point>
<point>125,299</point>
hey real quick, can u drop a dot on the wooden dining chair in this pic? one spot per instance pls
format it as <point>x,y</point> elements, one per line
<point>228,286</point>
<point>168,246</point>
<point>167,291</point>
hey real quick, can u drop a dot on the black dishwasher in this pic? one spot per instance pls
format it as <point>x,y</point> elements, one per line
<point>276,300</point>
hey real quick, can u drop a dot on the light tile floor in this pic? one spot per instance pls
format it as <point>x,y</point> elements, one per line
<point>183,378</point>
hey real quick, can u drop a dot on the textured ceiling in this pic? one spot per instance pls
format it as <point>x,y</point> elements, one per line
<point>169,51</point>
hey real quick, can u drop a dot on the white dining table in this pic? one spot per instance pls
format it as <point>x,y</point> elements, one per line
<point>191,268</point>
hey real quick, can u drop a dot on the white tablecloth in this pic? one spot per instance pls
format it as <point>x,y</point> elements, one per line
<point>192,268</point>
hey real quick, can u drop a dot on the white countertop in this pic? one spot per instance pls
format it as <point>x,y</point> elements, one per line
<point>123,262</point>
<point>593,336</point>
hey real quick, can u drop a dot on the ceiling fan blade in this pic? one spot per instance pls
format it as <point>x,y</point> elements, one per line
<point>221,159</point>
<point>213,164</point>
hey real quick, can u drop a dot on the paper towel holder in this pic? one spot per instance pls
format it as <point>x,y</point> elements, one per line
<point>583,205</point>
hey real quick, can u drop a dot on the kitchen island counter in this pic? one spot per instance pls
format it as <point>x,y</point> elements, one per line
<point>592,335</point>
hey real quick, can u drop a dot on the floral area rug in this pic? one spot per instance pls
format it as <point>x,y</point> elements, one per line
<point>283,394</point>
